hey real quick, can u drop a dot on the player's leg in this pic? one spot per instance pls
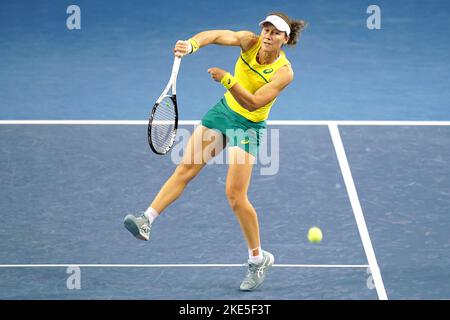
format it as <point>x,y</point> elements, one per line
<point>203,145</point>
<point>238,179</point>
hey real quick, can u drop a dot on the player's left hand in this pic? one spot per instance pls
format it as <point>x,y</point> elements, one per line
<point>217,74</point>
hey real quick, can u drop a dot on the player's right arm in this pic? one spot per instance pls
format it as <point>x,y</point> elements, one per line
<point>243,39</point>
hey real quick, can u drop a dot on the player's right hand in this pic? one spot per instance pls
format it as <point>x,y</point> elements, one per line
<point>182,48</point>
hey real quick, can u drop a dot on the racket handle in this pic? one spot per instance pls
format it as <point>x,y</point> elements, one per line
<point>173,78</point>
<point>176,65</point>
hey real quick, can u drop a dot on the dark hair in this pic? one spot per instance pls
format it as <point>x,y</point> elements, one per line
<point>297,27</point>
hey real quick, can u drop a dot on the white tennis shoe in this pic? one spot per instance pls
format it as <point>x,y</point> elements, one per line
<point>256,273</point>
<point>139,227</point>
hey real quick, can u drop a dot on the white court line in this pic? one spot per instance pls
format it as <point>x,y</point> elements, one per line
<point>357,211</point>
<point>180,265</point>
<point>195,122</point>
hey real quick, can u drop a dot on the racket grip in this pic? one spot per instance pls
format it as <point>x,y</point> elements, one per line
<point>176,65</point>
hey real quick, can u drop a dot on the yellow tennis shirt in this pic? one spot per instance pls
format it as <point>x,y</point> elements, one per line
<point>252,76</point>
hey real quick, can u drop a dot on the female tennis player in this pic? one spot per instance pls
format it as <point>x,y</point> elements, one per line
<point>262,71</point>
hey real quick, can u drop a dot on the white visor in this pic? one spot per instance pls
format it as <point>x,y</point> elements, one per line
<point>278,23</point>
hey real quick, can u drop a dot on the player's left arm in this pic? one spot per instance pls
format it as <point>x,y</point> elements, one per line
<point>263,95</point>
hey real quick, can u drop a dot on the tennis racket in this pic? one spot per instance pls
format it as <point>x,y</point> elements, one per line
<point>163,121</point>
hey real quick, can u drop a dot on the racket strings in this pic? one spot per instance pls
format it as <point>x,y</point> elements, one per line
<point>163,125</point>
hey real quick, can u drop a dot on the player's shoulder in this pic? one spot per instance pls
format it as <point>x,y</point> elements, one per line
<point>286,70</point>
<point>285,74</point>
<point>286,65</point>
<point>247,39</point>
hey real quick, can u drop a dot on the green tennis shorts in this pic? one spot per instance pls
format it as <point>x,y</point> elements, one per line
<point>239,130</point>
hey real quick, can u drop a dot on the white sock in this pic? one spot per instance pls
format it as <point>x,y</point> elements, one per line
<point>255,259</point>
<point>151,214</point>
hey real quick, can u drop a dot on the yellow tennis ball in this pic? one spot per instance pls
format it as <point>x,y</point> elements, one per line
<point>314,235</point>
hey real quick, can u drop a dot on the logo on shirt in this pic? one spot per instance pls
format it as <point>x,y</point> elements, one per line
<point>266,71</point>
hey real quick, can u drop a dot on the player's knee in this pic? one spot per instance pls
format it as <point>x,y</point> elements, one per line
<point>186,172</point>
<point>236,197</point>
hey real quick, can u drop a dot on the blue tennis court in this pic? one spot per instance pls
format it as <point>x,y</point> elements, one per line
<point>358,145</point>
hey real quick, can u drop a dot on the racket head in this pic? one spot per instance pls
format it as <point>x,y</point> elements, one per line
<point>163,125</point>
